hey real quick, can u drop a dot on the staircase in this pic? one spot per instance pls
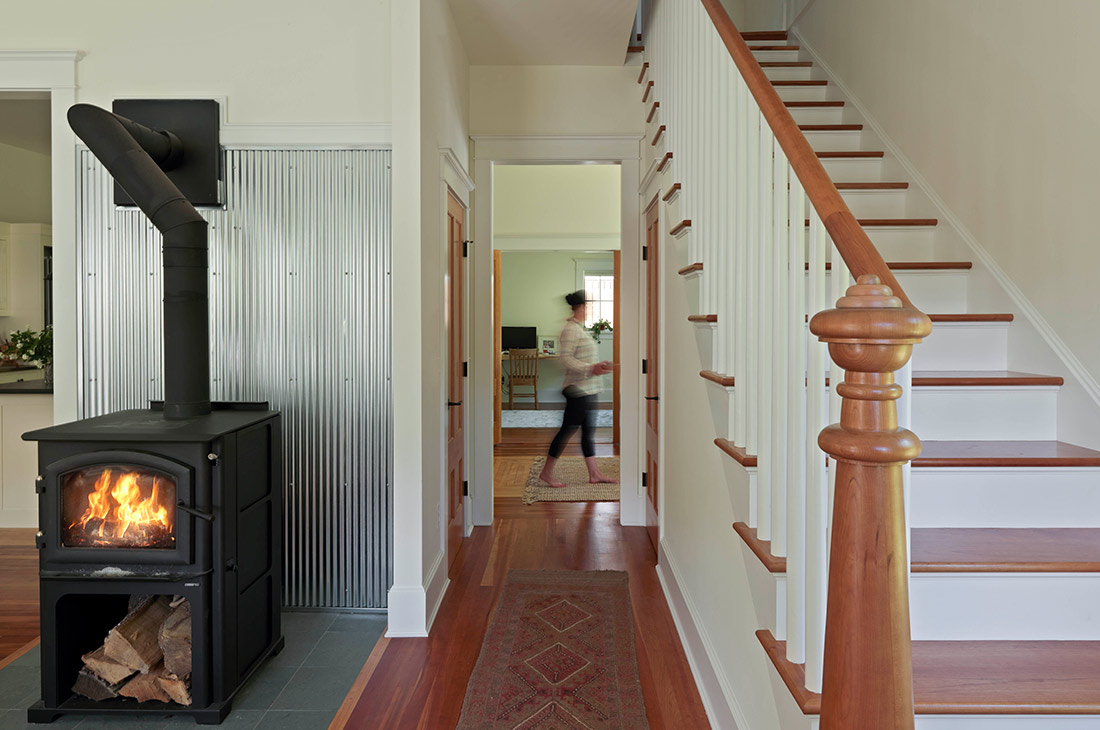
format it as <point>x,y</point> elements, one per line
<point>1005,518</point>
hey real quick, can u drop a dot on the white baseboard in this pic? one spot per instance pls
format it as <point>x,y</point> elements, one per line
<point>719,701</point>
<point>1073,365</point>
<point>408,615</point>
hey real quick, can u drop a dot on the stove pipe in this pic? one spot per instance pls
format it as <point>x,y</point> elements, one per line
<point>136,156</point>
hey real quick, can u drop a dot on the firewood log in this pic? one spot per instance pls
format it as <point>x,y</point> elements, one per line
<point>175,640</point>
<point>104,667</point>
<point>93,687</point>
<point>134,641</point>
<point>176,687</point>
<point>145,687</point>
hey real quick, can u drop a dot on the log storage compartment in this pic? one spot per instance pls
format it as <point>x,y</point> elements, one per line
<point>160,556</point>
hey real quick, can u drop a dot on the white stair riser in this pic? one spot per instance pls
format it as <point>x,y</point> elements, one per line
<point>985,413</point>
<point>742,499</point>
<point>901,243</point>
<point>932,291</point>
<point>721,408</point>
<point>704,338</point>
<point>963,346</point>
<point>1005,497</point>
<point>817,115</point>
<point>854,170</point>
<point>769,594</point>
<point>834,141</point>
<point>774,55</point>
<point>789,72</point>
<point>803,93</point>
<point>876,203</point>
<point>1005,606</point>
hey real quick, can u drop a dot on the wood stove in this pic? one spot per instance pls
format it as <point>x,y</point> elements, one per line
<point>174,511</point>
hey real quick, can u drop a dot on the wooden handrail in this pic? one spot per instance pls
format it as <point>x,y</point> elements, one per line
<point>855,247</point>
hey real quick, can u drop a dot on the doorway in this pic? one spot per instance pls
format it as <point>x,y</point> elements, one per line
<point>454,318</point>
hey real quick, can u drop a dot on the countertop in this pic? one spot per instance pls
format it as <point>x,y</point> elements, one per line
<point>26,387</point>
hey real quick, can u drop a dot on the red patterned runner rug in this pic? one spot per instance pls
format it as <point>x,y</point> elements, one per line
<point>559,655</point>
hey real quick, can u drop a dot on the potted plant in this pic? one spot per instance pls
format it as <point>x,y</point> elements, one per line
<point>598,327</point>
<point>35,347</point>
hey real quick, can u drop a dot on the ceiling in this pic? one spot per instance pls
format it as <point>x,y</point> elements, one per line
<point>25,122</point>
<point>545,32</point>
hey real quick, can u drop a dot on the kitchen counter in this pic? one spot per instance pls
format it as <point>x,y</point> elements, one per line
<point>24,406</point>
<point>31,387</point>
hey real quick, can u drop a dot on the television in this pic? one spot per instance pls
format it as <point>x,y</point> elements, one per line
<point>518,338</point>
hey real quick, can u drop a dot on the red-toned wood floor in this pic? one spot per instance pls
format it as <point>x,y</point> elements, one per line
<point>420,683</point>
<point>18,592</point>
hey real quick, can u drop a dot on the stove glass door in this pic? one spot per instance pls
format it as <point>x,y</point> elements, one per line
<point>118,506</point>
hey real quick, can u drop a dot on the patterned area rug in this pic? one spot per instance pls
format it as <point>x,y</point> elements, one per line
<point>572,471</point>
<point>559,655</point>
<point>549,418</point>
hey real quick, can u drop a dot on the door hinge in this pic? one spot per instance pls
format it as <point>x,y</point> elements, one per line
<point>465,489</point>
<point>645,253</point>
<point>645,366</point>
<point>645,479</point>
<point>465,369</point>
<point>466,249</point>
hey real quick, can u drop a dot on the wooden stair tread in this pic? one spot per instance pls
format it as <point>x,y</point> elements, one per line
<point>872,185</point>
<point>786,64</point>
<point>641,74</point>
<point>656,137</point>
<point>635,49</point>
<point>981,377</point>
<point>981,677</point>
<point>774,48</point>
<point>977,550</point>
<point>723,380</point>
<point>800,82</point>
<point>736,452</point>
<point>1004,453</point>
<point>830,127</point>
<point>681,226</point>
<point>850,154</point>
<point>894,222</point>
<point>989,317</point>
<point>764,35</point>
<point>702,318</point>
<point>690,268</point>
<point>812,104</point>
<point>918,265</point>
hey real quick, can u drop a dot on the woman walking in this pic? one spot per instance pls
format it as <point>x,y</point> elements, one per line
<point>577,355</point>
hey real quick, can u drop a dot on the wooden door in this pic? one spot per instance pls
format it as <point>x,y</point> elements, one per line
<point>652,367</point>
<point>454,319</point>
<point>497,346</point>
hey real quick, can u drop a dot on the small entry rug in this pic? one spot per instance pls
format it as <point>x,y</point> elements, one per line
<point>573,471</point>
<point>550,418</point>
<point>558,655</point>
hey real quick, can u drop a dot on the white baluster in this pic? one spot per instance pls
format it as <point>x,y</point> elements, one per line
<point>780,325</point>
<point>741,276</point>
<point>796,423</point>
<point>763,350</point>
<point>752,381</point>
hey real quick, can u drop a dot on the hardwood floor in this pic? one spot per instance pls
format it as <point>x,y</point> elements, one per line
<point>535,441</point>
<point>18,591</point>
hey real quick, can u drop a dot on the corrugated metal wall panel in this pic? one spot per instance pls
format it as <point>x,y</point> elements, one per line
<point>300,317</point>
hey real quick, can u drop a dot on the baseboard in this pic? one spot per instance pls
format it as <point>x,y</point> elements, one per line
<point>718,698</point>
<point>408,613</point>
<point>19,518</point>
<point>1062,351</point>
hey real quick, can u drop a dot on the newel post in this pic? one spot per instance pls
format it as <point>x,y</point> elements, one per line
<point>868,675</point>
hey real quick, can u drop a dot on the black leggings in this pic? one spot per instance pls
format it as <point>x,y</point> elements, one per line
<point>578,413</point>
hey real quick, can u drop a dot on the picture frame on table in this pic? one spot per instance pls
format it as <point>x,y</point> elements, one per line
<point>548,344</point>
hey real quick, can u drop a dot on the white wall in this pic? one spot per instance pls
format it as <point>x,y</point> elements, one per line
<point>24,185</point>
<point>992,103</point>
<point>276,61</point>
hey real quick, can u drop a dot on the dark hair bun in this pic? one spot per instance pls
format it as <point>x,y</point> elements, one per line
<point>575,299</point>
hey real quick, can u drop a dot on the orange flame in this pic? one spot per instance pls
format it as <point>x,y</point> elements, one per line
<point>117,505</point>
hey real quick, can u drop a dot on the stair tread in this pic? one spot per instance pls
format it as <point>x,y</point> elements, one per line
<point>855,154</point>
<point>774,48</point>
<point>739,455</point>
<point>981,677</point>
<point>786,64</point>
<point>981,377</point>
<point>1004,453</point>
<point>703,318</point>
<point>811,104</point>
<point>800,82</point>
<point>635,49</point>
<point>723,380</point>
<point>894,222</point>
<point>830,127</point>
<point>872,185</point>
<point>919,265</point>
<point>691,268</point>
<point>764,35</point>
<point>972,317</point>
<point>978,549</point>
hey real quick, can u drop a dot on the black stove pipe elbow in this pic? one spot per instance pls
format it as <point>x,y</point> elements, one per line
<point>136,156</point>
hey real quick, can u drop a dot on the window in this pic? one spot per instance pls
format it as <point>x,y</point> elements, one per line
<point>599,290</point>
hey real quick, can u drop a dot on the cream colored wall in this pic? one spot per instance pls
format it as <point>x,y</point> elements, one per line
<point>276,61</point>
<point>557,200</point>
<point>24,185</point>
<point>566,100</point>
<point>992,103</point>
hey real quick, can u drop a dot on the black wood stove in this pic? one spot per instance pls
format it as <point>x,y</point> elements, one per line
<point>183,500</point>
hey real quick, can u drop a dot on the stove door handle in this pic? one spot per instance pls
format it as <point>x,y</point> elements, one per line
<point>195,513</point>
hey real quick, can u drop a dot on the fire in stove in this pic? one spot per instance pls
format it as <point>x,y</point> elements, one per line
<point>118,507</point>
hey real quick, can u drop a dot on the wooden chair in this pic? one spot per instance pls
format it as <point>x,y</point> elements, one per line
<point>524,367</point>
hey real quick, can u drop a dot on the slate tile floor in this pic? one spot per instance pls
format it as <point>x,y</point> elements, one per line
<point>301,689</point>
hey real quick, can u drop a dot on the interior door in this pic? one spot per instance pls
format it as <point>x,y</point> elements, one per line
<point>497,347</point>
<point>652,367</point>
<point>454,318</point>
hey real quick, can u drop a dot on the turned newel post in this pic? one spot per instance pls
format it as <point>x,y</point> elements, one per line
<point>868,675</point>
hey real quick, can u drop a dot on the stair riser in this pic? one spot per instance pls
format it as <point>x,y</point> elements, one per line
<point>776,55</point>
<point>721,408</point>
<point>931,291</point>
<point>742,497</point>
<point>1005,497</point>
<point>985,413</point>
<point>818,115</point>
<point>858,170</point>
<point>789,74</point>
<point>704,338</point>
<point>834,141</point>
<point>877,203</point>
<point>1006,606</point>
<point>803,93</point>
<point>901,243</point>
<point>963,346</point>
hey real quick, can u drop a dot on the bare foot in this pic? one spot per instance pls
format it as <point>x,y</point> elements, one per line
<point>599,478</point>
<point>549,479</point>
